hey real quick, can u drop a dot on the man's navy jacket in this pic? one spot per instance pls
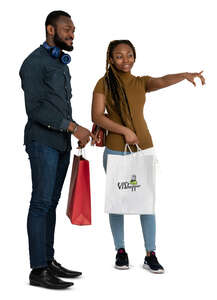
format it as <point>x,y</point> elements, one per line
<point>47,90</point>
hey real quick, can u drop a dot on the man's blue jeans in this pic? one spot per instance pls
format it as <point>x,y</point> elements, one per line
<point>117,221</point>
<point>48,168</point>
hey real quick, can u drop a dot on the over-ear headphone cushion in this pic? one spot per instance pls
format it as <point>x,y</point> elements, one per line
<point>65,58</point>
<point>55,52</point>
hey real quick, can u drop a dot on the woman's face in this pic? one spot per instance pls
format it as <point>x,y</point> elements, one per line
<point>123,58</point>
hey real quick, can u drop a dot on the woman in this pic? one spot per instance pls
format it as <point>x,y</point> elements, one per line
<point>123,95</point>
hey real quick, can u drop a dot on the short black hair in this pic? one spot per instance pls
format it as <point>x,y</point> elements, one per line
<point>54,16</point>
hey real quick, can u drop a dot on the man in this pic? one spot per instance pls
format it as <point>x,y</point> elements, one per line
<point>46,84</point>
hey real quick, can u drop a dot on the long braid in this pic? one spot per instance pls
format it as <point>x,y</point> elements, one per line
<point>114,86</point>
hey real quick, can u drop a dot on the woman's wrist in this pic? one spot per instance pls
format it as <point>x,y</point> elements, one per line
<point>185,75</point>
<point>125,130</point>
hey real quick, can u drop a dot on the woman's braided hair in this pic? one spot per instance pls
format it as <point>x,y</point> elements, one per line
<point>114,86</point>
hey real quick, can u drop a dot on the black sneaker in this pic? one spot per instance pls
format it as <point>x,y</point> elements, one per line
<point>151,263</point>
<point>122,261</point>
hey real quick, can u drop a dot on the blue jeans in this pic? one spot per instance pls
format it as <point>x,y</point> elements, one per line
<point>48,169</point>
<point>117,221</point>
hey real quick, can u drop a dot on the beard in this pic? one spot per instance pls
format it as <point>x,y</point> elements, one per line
<point>61,44</point>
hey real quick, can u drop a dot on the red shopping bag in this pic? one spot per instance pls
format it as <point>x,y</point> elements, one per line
<point>79,200</point>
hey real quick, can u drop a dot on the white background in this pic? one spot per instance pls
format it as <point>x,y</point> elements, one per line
<point>170,36</point>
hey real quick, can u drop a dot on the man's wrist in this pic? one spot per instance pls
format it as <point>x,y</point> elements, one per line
<point>73,127</point>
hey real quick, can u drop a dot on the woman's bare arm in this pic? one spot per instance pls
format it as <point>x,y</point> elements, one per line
<point>154,84</point>
<point>98,117</point>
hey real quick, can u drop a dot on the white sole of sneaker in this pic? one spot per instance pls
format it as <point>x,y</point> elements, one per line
<point>122,268</point>
<point>153,271</point>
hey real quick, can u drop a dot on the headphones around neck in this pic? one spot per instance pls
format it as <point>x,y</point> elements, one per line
<point>56,52</point>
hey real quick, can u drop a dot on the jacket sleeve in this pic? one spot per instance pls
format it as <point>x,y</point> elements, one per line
<point>38,108</point>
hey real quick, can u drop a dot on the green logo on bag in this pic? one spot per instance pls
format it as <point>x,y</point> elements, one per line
<point>133,180</point>
<point>132,184</point>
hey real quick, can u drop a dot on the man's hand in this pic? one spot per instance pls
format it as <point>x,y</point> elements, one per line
<point>93,142</point>
<point>82,134</point>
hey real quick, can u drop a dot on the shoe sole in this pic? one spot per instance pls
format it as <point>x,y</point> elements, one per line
<point>36,283</point>
<point>65,276</point>
<point>146,267</point>
<point>121,267</point>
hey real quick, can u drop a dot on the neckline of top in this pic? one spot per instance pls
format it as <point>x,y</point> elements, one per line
<point>124,76</point>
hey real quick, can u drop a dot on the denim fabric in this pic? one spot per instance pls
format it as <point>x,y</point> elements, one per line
<point>48,169</point>
<point>148,222</point>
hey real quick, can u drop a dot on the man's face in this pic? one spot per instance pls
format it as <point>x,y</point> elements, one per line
<point>64,33</point>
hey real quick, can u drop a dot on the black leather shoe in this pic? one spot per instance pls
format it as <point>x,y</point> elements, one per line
<point>58,270</point>
<point>44,278</point>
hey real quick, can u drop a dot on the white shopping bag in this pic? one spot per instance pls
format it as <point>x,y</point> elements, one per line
<point>130,182</point>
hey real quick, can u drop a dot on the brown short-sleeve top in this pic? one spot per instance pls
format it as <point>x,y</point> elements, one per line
<point>135,88</point>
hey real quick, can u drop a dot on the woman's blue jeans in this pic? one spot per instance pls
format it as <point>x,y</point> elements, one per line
<point>117,221</point>
<point>48,169</point>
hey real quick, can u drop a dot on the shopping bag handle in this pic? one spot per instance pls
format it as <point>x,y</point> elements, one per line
<point>128,146</point>
<point>81,152</point>
<point>125,149</point>
<point>138,148</point>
